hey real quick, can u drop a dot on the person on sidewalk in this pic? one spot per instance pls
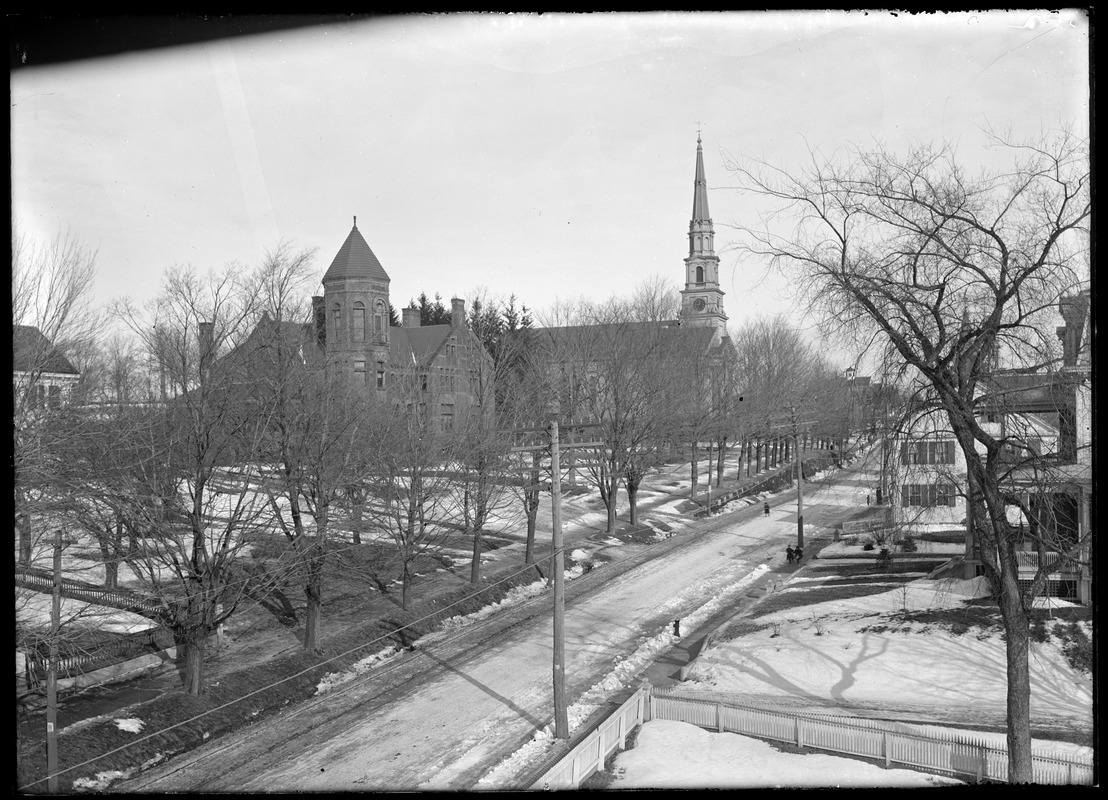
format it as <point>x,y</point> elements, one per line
<point>677,627</point>
<point>790,553</point>
<point>798,553</point>
<point>765,509</point>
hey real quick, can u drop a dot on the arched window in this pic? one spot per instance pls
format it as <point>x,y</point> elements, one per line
<point>336,315</point>
<point>359,321</point>
<point>700,274</point>
<point>379,316</point>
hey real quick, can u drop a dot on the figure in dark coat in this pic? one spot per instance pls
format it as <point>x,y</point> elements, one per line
<point>765,509</point>
<point>799,554</point>
<point>789,553</point>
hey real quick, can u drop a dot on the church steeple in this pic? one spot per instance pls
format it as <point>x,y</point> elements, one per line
<point>702,299</point>
<point>700,188</point>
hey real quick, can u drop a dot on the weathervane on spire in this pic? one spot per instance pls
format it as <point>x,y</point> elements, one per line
<point>699,125</point>
<point>355,220</point>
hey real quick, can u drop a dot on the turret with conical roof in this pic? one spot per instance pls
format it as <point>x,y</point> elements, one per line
<point>356,303</point>
<point>702,299</point>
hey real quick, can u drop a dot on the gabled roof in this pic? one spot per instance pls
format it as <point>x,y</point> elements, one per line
<point>697,337</point>
<point>33,352</point>
<point>355,260</point>
<point>417,345</point>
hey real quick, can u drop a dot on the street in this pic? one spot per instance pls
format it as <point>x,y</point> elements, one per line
<point>446,728</point>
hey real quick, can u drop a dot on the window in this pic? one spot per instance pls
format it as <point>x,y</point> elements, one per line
<point>423,381</point>
<point>447,412</point>
<point>359,373</point>
<point>379,316</point>
<point>927,452</point>
<point>380,375</point>
<point>927,495</point>
<point>359,321</point>
<point>55,397</point>
<point>700,274</point>
<point>336,315</point>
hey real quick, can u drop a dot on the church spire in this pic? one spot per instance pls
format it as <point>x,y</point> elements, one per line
<point>700,211</point>
<point>702,297</point>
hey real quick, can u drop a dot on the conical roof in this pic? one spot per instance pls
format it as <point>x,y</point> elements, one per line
<point>355,260</point>
<point>700,189</point>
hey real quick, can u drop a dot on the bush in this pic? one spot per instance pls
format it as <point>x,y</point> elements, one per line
<point>1076,646</point>
<point>1039,633</point>
<point>867,546</point>
<point>884,558</point>
<point>908,545</point>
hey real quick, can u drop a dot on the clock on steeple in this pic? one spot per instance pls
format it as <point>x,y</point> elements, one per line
<point>698,304</point>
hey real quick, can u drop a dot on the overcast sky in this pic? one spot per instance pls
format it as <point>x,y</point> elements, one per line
<point>547,156</point>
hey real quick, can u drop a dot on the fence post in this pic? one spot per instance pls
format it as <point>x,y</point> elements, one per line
<point>719,717</point>
<point>648,702</point>
<point>982,764</point>
<point>799,740</point>
<point>885,747</point>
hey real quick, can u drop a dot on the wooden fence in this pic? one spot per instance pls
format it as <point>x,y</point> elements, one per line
<point>42,580</point>
<point>589,754</point>
<point>953,754</point>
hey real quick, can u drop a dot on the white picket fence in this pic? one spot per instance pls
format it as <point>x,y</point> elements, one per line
<point>955,754</point>
<point>952,754</point>
<point>588,755</point>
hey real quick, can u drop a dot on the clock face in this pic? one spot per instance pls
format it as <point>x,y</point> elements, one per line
<point>698,304</point>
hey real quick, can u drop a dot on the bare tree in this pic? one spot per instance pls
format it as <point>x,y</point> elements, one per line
<point>317,431</point>
<point>956,273</point>
<point>195,494</point>
<point>53,321</point>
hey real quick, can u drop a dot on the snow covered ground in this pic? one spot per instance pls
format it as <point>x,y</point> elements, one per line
<point>858,650</point>
<point>677,755</point>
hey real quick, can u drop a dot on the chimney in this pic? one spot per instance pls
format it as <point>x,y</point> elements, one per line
<point>458,312</point>
<point>411,317</point>
<point>207,340</point>
<point>319,320</point>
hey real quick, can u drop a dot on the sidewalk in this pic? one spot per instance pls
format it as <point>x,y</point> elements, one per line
<point>666,670</point>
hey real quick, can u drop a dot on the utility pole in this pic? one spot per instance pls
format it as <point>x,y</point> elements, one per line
<point>52,672</point>
<point>561,712</point>
<point>799,495</point>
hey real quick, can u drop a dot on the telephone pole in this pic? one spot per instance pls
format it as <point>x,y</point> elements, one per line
<point>561,711</point>
<point>52,672</point>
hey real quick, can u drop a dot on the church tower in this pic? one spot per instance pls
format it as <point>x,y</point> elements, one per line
<point>355,314</point>
<point>702,299</point>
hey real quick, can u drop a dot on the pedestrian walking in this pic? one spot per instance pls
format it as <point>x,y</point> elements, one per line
<point>677,627</point>
<point>790,553</point>
<point>867,499</point>
<point>798,553</point>
<point>765,509</point>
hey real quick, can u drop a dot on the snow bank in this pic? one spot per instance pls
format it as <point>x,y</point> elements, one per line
<point>620,676</point>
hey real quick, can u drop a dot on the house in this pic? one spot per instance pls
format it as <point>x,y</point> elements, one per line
<point>42,376</point>
<point>1045,420</point>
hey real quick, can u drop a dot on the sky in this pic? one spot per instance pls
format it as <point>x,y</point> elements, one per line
<point>547,156</point>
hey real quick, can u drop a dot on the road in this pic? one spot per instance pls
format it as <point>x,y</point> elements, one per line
<point>455,709</point>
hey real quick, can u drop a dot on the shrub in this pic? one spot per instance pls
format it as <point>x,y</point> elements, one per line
<point>908,545</point>
<point>867,546</point>
<point>1076,646</point>
<point>1039,633</point>
<point>884,558</point>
